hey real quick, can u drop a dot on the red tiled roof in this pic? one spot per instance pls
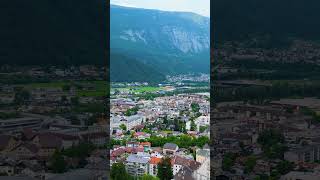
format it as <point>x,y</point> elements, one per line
<point>49,140</point>
<point>118,152</point>
<point>155,160</point>
<point>29,133</point>
<point>145,144</point>
<point>139,134</point>
<point>31,147</point>
<point>134,150</point>
<point>139,127</point>
<point>193,165</point>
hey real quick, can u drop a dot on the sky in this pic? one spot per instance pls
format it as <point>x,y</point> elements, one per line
<point>201,7</point>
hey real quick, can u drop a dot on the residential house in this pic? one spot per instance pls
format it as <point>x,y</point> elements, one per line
<point>153,165</point>
<point>203,172</point>
<point>170,148</point>
<point>25,151</point>
<point>132,144</point>
<point>133,121</point>
<point>202,155</point>
<point>67,139</point>
<point>7,142</point>
<point>179,162</point>
<point>146,146</point>
<point>97,138</point>
<point>308,153</point>
<point>47,143</point>
<point>137,164</point>
<point>296,175</point>
<point>141,135</point>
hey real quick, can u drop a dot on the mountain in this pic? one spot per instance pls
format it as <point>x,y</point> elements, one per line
<point>126,69</point>
<point>171,42</point>
<point>53,32</point>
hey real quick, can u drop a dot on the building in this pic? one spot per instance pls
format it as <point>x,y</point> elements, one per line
<point>295,175</point>
<point>309,153</point>
<point>170,148</point>
<point>7,142</point>
<point>202,155</point>
<point>183,166</point>
<point>202,121</point>
<point>153,166</point>
<point>146,146</point>
<point>47,143</point>
<point>133,121</point>
<point>25,151</point>
<point>96,138</point>
<point>137,164</point>
<point>203,172</point>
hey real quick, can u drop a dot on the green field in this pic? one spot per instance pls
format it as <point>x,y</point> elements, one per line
<point>148,89</point>
<point>100,88</point>
<point>58,84</point>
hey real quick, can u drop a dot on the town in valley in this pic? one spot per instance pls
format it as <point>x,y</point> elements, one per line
<point>160,130</point>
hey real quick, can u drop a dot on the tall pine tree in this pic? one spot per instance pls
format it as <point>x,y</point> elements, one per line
<point>164,169</point>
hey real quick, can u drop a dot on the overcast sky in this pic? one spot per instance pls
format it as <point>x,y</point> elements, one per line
<point>201,7</point>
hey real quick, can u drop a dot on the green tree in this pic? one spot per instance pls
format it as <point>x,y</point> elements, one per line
<point>57,163</point>
<point>272,143</point>
<point>148,177</point>
<point>228,161</point>
<point>195,107</point>
<point>164,169</point>
<point>64,99</point>
<point>131,111</point>
<point>249,164</point>
<point>66,87</point>
<point>123,127</point>
<point>118,172</point>
<point>74,120</point>
<point>201,141</point>
<point>193,126</point>
<point>165,120</point>
<point>81,151</point>
<point>74,101</point>
<point>284,167</point>
<point>203,128</point>
<point>262,177</point>
<point>22,96</point>
<point>92,120</point>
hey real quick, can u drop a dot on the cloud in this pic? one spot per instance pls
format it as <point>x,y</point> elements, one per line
<point>201,7</point>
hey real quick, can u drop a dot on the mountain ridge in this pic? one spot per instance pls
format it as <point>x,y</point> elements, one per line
<point>173,42</point>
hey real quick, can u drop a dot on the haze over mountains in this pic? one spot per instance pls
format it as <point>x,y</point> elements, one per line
<point>73,32</point>
<point>167,42</point>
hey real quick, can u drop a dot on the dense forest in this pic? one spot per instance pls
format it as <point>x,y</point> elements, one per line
<point>128,69</point>
<point>53,32</point>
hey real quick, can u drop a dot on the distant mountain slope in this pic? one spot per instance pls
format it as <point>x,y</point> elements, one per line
<point>125,69</point>
<point>53,32</point>
<point>171,42</point>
